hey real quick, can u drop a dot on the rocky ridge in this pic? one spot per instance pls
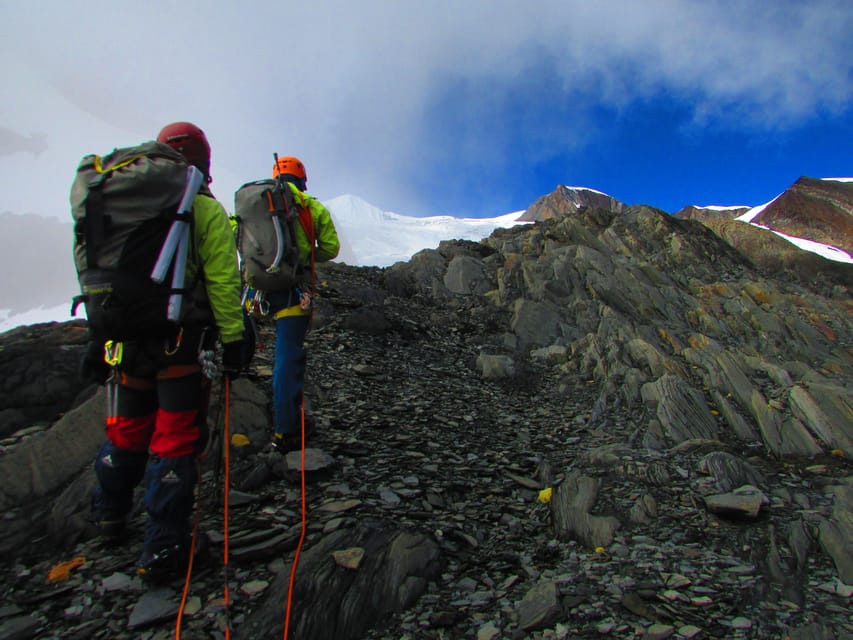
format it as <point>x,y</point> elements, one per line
<point>603,425</point>
<point>819,210</point>
<point>813,209</point>
<point>691,212</point>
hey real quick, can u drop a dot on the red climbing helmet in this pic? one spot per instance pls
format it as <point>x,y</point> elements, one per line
<point>189,141</point>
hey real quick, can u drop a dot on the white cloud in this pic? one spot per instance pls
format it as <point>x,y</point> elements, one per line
<point>359,90</point>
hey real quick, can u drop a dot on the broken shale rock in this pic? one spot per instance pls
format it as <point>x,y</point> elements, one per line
<point>332,601</point>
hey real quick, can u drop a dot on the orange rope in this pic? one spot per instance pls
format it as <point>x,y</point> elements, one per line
<point>227,445</point>
<point>188,577</point>
<point>312,241</point>
<point>301,535</point>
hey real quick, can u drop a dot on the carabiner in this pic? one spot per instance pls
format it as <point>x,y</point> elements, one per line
<point>113,352</point>
<point>178,339</point>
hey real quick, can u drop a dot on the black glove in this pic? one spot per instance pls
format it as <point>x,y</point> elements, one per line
<point>93,368</point>
<point>233,359</point>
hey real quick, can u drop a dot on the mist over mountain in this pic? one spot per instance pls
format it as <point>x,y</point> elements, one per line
<point>36,263</point>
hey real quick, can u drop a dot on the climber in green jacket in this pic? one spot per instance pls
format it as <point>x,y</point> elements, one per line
<point>157,415</point>
<point>292,309</point>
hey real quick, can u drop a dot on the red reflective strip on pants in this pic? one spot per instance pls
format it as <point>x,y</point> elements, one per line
<point>176,435</point>
<point>132,434</point>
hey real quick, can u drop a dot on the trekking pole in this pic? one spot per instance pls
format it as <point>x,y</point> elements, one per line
<point>170,245</point>
<point>226,445</point>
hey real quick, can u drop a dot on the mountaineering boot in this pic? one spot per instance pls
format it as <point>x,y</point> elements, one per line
<point>118,472</point>
<point>171,561</point>
<point>164,563</point>
<point>112,532</point>
<point>283,443</point>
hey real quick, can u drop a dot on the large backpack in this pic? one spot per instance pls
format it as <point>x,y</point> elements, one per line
<point>124,205</point>
<point>267,216</point>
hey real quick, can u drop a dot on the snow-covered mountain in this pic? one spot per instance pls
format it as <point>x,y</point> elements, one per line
<point>373,237</point>
<point>369,237</point>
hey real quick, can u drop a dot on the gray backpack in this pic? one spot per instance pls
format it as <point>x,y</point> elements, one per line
<point>124,205</point>
<point>266,217</point>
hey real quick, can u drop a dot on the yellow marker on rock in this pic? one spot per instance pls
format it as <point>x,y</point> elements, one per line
<point>239,440</point>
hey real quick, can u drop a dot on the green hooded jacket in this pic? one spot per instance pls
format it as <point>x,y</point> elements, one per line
<point>215,253</point>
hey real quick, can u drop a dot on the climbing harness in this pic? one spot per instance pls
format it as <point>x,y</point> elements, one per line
<point>255,303</point>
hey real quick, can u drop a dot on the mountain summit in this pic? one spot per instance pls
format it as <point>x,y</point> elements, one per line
<point>565,200</point>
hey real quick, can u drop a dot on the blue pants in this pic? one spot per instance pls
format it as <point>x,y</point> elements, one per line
<point>288,376</point>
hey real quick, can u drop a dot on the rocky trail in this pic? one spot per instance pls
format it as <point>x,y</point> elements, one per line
<point>446,501</point>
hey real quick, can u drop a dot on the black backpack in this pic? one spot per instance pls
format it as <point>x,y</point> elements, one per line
<point>125,207</point>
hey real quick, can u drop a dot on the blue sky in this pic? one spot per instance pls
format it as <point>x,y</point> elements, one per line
<point>460,108</point>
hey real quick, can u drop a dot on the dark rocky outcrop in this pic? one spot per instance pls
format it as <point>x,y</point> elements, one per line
<point>819,210</point>
<point>39,373</point>
<point>775,254</point>
<point>703,214</point>
<point>813,209</point>
<point>605,424</point>
<point>566,201</point>
<point>392,571</point>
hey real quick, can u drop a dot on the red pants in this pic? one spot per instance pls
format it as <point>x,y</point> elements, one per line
<point>157,399</point>
<point>165,415</point>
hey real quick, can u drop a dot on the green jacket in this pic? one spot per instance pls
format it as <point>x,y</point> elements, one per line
<point>214,251</point>
<point>326,245</point>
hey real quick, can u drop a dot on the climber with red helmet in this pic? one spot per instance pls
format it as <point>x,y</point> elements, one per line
<point>158,425</point>
<point>292,309</point>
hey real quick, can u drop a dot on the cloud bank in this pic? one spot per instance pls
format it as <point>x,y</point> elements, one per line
<point>415,106</point>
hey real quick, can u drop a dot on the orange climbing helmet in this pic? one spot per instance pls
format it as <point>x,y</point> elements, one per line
<point>288,165</point>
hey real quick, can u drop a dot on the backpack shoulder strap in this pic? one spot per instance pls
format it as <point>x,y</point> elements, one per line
<point>95,220</point>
